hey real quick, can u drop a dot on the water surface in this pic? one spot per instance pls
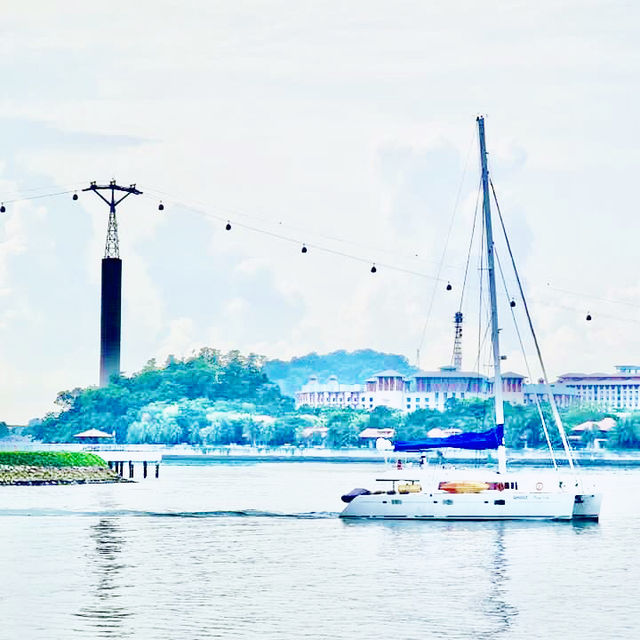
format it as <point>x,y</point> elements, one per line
<point>256,550</point>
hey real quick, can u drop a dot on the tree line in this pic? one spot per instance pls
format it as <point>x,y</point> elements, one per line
<point>226,398</point>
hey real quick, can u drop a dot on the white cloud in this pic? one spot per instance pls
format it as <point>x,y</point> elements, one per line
<point>179,341</point>
<point>344,126</point>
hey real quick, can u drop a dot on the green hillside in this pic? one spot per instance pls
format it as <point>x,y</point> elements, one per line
<point>351,367</point>
<point>214,398</point>
<point>173,403</point>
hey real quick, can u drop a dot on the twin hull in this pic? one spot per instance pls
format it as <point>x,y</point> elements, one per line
<point>587,506</point>
<point>464,506</point>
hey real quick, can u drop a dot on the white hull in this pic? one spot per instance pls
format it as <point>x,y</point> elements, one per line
<point>440,505</point>
<point>586,506</point>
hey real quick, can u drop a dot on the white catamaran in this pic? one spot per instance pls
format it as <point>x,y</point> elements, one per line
<point>432,493</point>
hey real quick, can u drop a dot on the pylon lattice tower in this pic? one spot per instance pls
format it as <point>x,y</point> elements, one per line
<point>457,342</point>
<point>111,293</point>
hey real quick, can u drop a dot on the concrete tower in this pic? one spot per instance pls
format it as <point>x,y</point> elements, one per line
<point>111,295</point>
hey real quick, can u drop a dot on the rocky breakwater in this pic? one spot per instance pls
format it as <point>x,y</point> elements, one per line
<point>54,467</point>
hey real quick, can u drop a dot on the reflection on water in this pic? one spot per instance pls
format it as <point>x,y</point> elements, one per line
<point>586,527</point>
<point>259,552</point>
<point>496,606</point>
<point>106,615</point>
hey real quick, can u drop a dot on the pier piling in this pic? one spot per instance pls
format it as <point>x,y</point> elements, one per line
<point>124,463</point>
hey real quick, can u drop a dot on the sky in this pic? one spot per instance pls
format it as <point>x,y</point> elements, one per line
<point>348,126</point>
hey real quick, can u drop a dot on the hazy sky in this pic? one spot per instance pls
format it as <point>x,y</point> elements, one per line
<point>346,125</point>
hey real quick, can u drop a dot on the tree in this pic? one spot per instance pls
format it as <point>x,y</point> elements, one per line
<point>344,427</point>
<point>626,433</point>
<point>208,376</point>
<point>350,367</point>
<point>288,430</point>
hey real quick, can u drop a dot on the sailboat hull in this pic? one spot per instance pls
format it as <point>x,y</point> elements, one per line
<point>586,506</point>
<point>463,506</point>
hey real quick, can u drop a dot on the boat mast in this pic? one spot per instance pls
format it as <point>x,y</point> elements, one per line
<point>497,381</point>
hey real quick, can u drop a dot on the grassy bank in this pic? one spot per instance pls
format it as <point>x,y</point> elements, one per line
<point>53,467</point>
<point>51,459</point>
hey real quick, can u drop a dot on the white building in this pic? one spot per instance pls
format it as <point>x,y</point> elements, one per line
<point>563,395</point>
<point>424,390</point>
<point>615,391</point>
<point>384,389</point>
<point>432,389</point>
<point>330,394</point>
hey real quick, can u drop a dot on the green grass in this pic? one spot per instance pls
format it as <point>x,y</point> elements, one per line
<point>50,459</point>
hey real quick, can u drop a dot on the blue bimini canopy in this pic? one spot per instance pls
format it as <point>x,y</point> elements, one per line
<point>491,439</point>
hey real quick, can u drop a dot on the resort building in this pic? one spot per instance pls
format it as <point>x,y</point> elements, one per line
<point>423,390</point>
<point>432,389</point>
<point>384,389</point>
<point>329,394</point>
<point>615,391</point>
<point>563,395</point>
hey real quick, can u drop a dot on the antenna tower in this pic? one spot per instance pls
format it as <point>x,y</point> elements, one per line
<point>457,342</point>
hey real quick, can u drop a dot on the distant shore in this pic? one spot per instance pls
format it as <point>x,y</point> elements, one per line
<point>516,459</point>
<point>203,454</point>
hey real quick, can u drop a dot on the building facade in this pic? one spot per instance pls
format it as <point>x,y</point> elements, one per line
<point>432,389</point>
<point>329,394</point>
<point>563,395</point>
<point>616,391</point>
<point>423,390</point>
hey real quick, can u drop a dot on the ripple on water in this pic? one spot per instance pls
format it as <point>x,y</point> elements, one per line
<point>257,551</point>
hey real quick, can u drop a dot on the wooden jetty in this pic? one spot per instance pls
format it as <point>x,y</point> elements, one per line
<point>125,461</point>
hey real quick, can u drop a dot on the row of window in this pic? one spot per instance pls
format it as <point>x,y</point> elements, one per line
<point>447,501</point>
<point>596,387</point>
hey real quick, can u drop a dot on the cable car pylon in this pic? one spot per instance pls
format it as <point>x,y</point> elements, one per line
<point>111,294</point>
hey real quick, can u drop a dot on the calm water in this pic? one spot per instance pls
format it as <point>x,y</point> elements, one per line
<point>256,551</point>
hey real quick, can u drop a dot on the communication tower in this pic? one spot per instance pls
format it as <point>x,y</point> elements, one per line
<point>457,342</point>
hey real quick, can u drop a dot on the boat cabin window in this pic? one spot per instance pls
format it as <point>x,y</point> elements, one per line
<point>447,502</point>
<point>498,502</point>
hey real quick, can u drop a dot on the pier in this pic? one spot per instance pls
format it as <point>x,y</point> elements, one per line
<point>127,462</point>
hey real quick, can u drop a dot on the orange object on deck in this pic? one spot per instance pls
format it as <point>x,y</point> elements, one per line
<point>463,487</point>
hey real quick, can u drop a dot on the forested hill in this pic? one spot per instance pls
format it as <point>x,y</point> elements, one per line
<point>214,398</point>
<point>350,367</point>
<point>210,397</point>
<point>170,403</point>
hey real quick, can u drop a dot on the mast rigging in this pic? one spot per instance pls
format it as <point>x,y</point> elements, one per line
<point>495,340</point>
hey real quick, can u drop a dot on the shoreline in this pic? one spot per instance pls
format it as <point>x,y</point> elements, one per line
<point>199,454</point>
<point>36,468</point>
<point>176,459</point>
<point>28,475</point>
<point>529,458</point>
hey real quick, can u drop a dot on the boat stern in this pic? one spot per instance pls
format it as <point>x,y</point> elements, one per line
<point>586,506</point>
